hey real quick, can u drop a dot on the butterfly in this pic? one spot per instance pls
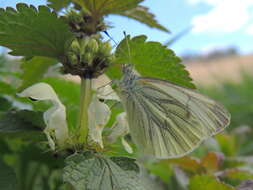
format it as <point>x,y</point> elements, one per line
<point>167,120</point>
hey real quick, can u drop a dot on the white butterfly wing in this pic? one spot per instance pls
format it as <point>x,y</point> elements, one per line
<point>167,120</point>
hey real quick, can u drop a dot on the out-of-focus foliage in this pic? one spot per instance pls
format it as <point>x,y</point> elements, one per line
<point>222,163</point>
<point>237,97</point>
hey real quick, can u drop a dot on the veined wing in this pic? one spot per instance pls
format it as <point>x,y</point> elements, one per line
<point>167,120</point>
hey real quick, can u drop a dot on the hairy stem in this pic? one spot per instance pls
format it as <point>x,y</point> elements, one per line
<point>86,93</point>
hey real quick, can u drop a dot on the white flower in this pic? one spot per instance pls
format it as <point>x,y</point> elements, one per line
<point>99,114</point>
<point>54,117</point>
<point>119,130</point>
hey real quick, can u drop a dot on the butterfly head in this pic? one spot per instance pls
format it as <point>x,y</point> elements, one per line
<point>128,80</point>
<point>127,68</point>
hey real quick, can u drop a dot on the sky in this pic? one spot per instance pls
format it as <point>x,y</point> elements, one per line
<point>217,24</point>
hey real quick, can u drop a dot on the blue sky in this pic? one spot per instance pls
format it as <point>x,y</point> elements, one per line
<point>217,23</point>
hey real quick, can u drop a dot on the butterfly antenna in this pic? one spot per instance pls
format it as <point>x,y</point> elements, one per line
<point>109,36</point>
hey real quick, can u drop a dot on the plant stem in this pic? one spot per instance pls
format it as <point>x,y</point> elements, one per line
<point>86,93</point>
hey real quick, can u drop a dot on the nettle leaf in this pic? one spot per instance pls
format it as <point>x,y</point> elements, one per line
<point>151,59</point>
<point>15,121</point>
<point>128,8</point>
<point>206,182</point>
<point>126,163</point>
<point>102,8</point>
<point>34,70</point>
<point>30,32</point>
<point>57,5</point>
<point>85,172</point>
<point>8,179</point>
<point>143,15</point>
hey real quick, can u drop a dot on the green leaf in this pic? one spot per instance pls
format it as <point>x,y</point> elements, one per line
<point>31,32</point>
<point>101,8</point>
<point>8,179</point>
<point>151,59</point>
<point>85,172</point>
<point>206,182</point>
<point>142,14</point>
<point>15,121</point>
<point>34,70</point>
<point>126,163</point>
<point>57,5</point>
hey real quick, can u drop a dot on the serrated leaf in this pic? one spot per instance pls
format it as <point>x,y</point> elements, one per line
<point>101,8</point>
<point>95,172</point>
<point>34,70</point>
<point>57,5</point>
<point>150,59</point>
<point>206,182</point>
<point>142,14</point>
<point>126,163</point>
<point>8,179</point>
<point>15,121</point>
<point>29,32</point>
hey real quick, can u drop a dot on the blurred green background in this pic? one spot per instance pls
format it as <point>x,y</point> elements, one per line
<point>223,161</point>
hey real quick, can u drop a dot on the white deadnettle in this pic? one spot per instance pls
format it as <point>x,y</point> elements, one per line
<point>99,114</point>
<point>54,117</point>
<point>119,130</point>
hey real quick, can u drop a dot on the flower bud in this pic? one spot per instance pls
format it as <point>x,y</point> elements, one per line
<point>92,45</point>
<point>105,48</point>
<point>75,47</point>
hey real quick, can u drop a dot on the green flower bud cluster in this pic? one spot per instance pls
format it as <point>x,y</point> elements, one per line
<point>90,56</point>
<point>83,24</point>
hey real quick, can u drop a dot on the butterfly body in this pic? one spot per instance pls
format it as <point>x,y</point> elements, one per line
<point>167,120</point>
